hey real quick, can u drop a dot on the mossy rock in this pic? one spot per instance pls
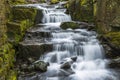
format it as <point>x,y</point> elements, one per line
<point>40,66</point>
<point>16,30</point>
<point>22,13</point>
<point>72,25</point>
<point>114,38</point>
<point>16,2</point>
<point>54,1</point>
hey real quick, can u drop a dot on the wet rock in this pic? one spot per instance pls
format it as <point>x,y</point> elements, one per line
<point>66,65</point>
<point>66,72</point>
<point>32,50</point>
<point>71,24</point>
<point>31,60</point>
<point>114,63</point>
<point>74,58</point>
<point>24,67</point>
<point>85,25</point>
<point>40,66</point>
<point>36,35</point>
<point>30,68</point>
<point>111,44</point>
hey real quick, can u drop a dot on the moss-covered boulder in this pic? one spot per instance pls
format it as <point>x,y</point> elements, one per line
<point>40,66</point>
<point>111,43</point>
<point>54,1</point>
<point>72,25</point>
<point>114,38</point>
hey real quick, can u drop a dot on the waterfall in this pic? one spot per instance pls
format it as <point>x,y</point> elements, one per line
<point>55,15</point>
<point>79,50</point>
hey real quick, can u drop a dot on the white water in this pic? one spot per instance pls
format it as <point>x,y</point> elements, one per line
<point>53,16</point>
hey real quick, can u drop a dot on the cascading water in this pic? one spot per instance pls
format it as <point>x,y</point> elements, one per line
<point>88,63</point>
<point>53,15</point>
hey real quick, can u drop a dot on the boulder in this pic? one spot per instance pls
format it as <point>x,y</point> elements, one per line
<point>72,25</point>
<point>54,1</point>
<point>66,63</point>
<point>74,58</point>
<point>111,43</point>
<point>40,66</point>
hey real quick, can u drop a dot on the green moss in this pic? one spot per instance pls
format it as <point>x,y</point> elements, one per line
<point>6,60</point>
<point>66,25</point>
<point>16,30</point>
<point>15,2</point>
<point>12,75</point>
<point>114,38</point>
<point>21,13</point>
<point>54,1</point>
<point>81,10</point>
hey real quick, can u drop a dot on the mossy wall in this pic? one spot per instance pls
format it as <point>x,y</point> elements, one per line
<point>81,10</point>
<point>106,13</point>
<point>20,19</point>
<point>6,49</point>
<point>13,24</point>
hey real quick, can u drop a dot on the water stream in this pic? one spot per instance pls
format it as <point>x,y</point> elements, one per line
<point>78,48</point>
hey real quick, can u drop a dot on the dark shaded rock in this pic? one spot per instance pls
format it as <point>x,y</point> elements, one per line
<point>30,68</point>
<point>37,35</point>
<point>32,50</point>
<point>66,65</point>
<point>40,66</point>
<point>111,43</point>
<point>74,58</point>
<point>73,25</point>
<point>39,16</point>
<point>24,67</point>
<point>115,27</point>
<point>114,63</point>
<point>31,60</point>
<point>85,25</point>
